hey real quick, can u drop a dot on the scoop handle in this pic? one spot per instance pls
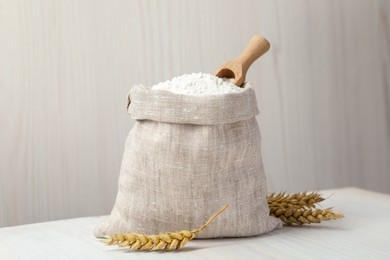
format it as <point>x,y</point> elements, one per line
<point>256,47</point>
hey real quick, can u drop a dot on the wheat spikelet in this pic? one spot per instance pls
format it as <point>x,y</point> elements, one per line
<point>168,241</point>
<point>292,215</point>
<point>297,200</point>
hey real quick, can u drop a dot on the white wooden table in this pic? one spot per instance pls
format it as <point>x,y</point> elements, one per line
<point>364,233</point>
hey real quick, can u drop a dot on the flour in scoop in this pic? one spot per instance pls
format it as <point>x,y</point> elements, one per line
<point>198,84</point>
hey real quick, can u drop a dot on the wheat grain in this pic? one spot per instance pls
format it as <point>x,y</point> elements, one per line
<point>168,241</point>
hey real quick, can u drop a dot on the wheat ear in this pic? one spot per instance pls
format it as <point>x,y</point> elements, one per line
<point>297,200</point>
<point>300,208</point>
<point>304,216</point>
<point>168,241</point>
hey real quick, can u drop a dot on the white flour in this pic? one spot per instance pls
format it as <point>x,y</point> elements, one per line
<point>198,84</point>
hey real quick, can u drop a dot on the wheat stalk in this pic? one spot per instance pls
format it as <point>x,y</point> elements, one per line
<point>292,215</point>
<point>167,241</point>
<point>297,200</point>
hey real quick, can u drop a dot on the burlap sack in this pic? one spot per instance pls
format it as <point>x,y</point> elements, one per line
<point>184,159</point>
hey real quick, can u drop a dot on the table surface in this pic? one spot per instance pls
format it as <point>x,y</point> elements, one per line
<point>364,232</point>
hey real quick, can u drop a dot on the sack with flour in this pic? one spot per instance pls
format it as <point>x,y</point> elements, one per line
<point>186,157</point>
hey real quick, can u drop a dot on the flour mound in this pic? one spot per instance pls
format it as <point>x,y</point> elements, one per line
<point>198,84</point>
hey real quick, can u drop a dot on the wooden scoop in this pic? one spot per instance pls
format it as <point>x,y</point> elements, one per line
<point>237,67</point>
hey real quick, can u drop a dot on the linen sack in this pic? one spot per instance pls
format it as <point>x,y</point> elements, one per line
<point>184,159</point>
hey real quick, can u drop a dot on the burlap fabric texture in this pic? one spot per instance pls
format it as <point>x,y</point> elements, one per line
<point>185,158</point>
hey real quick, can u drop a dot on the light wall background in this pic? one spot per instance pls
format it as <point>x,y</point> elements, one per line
<point>67,65</point>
